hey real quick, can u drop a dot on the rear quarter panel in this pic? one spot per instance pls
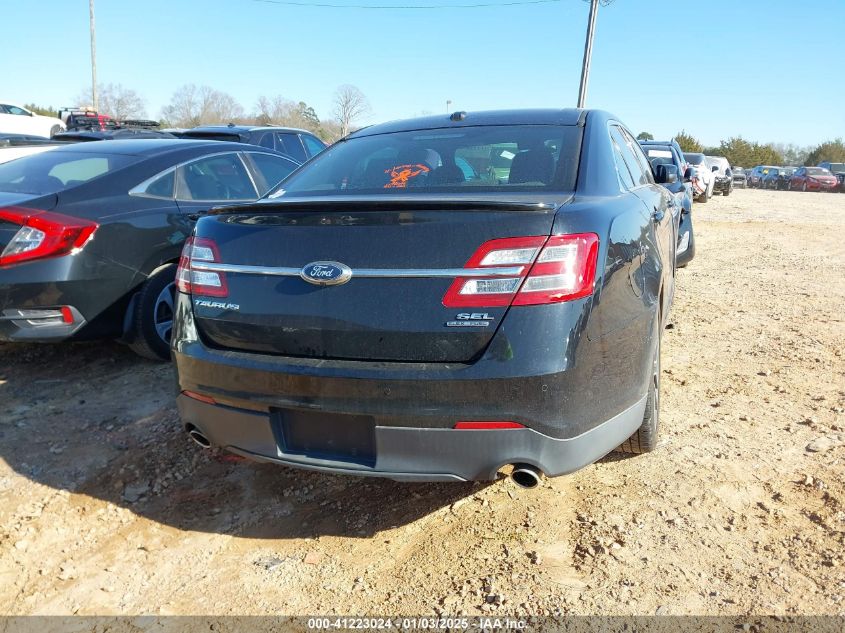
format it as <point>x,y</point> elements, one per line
<point>621,322</point>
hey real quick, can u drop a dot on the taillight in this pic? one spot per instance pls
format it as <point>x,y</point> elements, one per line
<point>200,282</point>
<point>542,270</point>
<point>43,234</point>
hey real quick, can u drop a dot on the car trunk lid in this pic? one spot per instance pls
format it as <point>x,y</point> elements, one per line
<point>399,253</point>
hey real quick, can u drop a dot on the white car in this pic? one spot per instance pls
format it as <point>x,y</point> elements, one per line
<point>703,181</point>
<point>16,119</point>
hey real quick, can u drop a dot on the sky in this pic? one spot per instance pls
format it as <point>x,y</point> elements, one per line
<point>768,71</point>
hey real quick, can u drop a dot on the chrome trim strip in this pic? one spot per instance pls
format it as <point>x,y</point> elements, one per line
<point>367,273</point>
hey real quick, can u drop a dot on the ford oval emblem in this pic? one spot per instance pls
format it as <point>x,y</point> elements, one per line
<point>326,273</point>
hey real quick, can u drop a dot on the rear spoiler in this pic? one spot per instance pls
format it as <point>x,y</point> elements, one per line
<point>138,123</point>
<point>386,203</point>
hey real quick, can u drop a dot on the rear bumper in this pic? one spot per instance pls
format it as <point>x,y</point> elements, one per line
<point>15,327</point>
<point>85,283</point>
<point>576,384</point>
<point>416,454</point>
<point>819,186</point>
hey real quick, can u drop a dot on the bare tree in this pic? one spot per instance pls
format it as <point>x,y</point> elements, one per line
<point>281,111</point>
<point>193,105</point>
<point>350,105</point>
<point>116,101</point>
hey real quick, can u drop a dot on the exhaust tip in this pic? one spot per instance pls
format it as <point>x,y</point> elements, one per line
<point>526,475</point>
<point>196,435</point>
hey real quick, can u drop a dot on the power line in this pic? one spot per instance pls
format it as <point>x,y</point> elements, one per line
<point>400,7</point>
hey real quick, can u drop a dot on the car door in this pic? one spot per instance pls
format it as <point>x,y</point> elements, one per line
<point>6,122</point>
<point>27,123</point>
<point>659,265</point>
<point>213,180</point>
<point>15,119</point>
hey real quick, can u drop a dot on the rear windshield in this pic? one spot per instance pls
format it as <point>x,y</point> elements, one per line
<point>469,159</point>
<point>53,171</point>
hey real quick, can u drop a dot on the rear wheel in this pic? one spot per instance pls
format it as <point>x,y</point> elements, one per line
<point>726,192</point>
<point>152,318</point>
<point>55,130</point>
<point>645,439</point>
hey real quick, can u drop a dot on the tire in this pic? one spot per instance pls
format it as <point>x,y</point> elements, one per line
<point>804,187</point>
<point>55,130</point>
<point>703,199</point>
<point>645,438</point>
<point>152,317</point>
<point>726,192</point>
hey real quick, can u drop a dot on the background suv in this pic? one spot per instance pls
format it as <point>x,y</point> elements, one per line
<point>298,144</point>
<point>722,175</point>
<point>702,181</point>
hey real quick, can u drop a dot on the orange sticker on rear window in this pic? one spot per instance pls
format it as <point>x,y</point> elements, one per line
<point>401,174</point>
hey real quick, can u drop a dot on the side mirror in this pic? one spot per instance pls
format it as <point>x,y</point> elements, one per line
<point>714,168</point>
<point>689,174</point>
<point>666,174</point>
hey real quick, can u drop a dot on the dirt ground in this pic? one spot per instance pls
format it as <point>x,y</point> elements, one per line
<point>107,508</point>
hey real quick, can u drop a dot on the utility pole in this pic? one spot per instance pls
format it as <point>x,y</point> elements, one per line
<point>94,96</point>
<point>588,53</point>
<point>448,105</point>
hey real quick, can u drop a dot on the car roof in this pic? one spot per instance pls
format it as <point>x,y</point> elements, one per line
<point>147,146</point>
<point>234,129</point>
<point>567,116</point>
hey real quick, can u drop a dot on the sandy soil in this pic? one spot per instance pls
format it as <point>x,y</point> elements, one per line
<point>107,508</point>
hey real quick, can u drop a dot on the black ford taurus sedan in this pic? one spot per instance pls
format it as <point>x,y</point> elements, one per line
<point>90,233</point>
<point>435,299</point>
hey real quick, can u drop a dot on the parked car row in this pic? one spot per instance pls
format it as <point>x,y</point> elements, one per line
<point>430,299</point>
<point>827,176</point>
<point>668,154</point>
